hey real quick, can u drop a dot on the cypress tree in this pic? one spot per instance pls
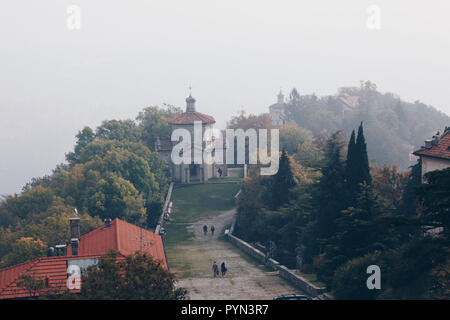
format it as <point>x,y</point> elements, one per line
<point>357,169</point>
<point>283,181</point>
<point>350,168</point>
<point>363,169</point>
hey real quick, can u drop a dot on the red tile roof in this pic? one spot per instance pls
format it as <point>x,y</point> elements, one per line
<point>440,151</point>
<point>190,117</point>
<point>121,236</point>
<point>350,101</point>
<point>52,268</point>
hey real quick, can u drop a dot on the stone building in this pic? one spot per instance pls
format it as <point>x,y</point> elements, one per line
<point>277,111</point>
<point>192,173</point>
<point>435,154</point>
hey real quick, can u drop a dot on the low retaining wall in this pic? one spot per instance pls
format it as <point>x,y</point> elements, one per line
<point>166,203</point>
<point>255,253</point>
<point>285,273</point>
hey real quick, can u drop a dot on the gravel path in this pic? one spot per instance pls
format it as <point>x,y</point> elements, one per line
<point>244,280</point>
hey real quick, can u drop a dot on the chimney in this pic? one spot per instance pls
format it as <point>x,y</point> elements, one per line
<point>74,234</point>
<point>427,144</point>
<point>107,223</point>
<point>74,244</point>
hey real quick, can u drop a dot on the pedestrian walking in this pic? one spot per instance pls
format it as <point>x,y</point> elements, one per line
<point>215,269</point>
<point>212,230</point>
<point>223,269</point>
<point>205,229</point>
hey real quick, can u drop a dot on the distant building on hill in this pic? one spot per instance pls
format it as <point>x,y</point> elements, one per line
<point>192,172</point>
<point>277,111</point>
<point>349,102</point>
<point>83,251</point>
<point>435,154</point>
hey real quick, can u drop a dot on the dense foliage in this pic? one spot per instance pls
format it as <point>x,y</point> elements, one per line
<point>138,277</point>
<point>113,172</point>
<point>342,216</point>
<point>394,128</point>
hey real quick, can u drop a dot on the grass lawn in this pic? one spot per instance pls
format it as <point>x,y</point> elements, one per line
<point>195,202</point>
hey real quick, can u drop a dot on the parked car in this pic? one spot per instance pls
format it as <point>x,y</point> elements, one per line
<point>292,297</point>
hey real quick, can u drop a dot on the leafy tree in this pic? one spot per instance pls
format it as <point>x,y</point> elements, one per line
<point>25,248</point>
<point>244,122</point>
<point>121,130</point>
<point>138,277</point>
<point>410,269</point>
<point>32,284</point>
<point>250,207</point>
<point>435,198</point>
<point>117,197</point>
<point>389,186</point>
<point>153,123</point>
<point>33,202</point>
<point>393,127</point>
<point>55,228</point>
<point>84,137</point>
<point>291,136</point>
<point>349,281</point>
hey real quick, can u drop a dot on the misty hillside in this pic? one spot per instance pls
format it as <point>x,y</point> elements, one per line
<point>393,128</point>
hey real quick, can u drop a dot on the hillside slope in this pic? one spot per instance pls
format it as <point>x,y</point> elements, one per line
<point>393,128</point>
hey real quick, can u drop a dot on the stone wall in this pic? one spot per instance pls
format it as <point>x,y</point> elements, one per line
<point>166,204</point>
<point>285,273</point>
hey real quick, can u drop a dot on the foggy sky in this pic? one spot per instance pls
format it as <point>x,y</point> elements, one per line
<point>235,54</point>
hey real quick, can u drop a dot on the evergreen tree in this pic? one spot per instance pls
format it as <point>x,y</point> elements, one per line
<point>282,183</point>
<point>362,160</point>
<point>331,188</point>
<point>357,166</point>
<point>408,205</point>
<point>350,167</point>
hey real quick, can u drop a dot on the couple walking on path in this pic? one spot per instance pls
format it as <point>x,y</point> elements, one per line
<point>205,230</point>
<point>215,268</point>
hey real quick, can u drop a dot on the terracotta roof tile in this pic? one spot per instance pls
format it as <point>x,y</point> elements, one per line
<point>190,117</point>
<point>441,150</point>
<point>121,236</point>
<point>350,101</point>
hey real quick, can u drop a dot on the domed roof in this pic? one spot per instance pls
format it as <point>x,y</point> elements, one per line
<point>190,117</point>
<point>190,99</point>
